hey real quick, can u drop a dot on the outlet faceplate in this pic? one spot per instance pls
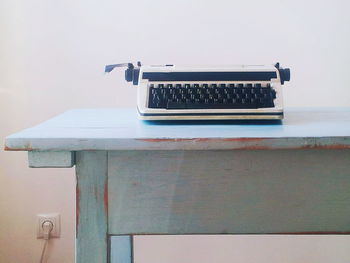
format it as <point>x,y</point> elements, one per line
<point>54,218</point>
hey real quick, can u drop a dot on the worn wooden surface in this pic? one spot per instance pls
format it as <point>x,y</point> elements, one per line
<point>119,129</point>
<point>136,177</point>
<point>121,249</point>
<point>185,192</point>
<point>43,159</point>
<point>92,209</point>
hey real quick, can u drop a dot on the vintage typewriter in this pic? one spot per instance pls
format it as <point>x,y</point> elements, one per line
<point>170,92</point>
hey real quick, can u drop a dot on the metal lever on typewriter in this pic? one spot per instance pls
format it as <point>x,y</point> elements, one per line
<point>131,73</point>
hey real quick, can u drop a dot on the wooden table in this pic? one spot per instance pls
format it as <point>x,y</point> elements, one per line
<point>136,177</point>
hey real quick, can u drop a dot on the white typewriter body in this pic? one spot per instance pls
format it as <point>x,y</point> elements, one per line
<point>147,113</point>
<point>151,80</point>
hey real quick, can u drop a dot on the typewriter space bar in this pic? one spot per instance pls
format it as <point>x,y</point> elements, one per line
<point>178,106</point>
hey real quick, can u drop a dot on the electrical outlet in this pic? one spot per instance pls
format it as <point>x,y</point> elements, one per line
<point>54,219</point>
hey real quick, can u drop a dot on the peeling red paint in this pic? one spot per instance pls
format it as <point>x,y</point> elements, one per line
<point>329,146</point>
<point>77,208</point>
<point>6,148</point>
<point>165,140</point>
<point>26,147</point>
<point>242,139</point>
<point>105,198</point>
<point>254,147</point>
<point>200,139</point>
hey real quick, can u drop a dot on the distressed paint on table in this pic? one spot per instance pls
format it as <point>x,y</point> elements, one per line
<point>229,192</point>
<point>188,200</point>
<point>119,129</point>
<point>92,207</point>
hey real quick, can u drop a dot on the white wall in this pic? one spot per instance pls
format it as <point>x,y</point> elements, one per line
<point>52,55</point>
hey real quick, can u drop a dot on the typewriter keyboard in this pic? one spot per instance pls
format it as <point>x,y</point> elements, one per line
<point>213,96</point>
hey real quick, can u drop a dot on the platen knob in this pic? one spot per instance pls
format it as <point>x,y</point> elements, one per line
<point>129,74</point>
<point>284,73</point>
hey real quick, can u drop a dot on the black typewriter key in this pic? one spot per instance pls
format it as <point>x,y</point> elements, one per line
<point>160,85</point>
<point>205,85</point>
<point>178,86</point>
<point>249,85</point>
<point>187,86</point>
<point>196,86</point>
<point>169,86</point>
<point>213,86</point>
<point>273,92</point>
<point>268,85</point>
<point>240,85</point>
<point>257,85</point>
<point>232,85</point>
<point>222,85</point>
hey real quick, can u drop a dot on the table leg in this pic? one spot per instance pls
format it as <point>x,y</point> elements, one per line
<point>121,249</point>
<point>92,207</point>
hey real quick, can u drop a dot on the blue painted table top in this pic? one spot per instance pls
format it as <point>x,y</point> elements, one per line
<point>120,129</point>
